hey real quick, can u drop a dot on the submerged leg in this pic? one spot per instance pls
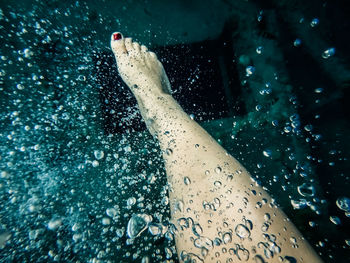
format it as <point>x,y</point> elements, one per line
<point>221,214</point>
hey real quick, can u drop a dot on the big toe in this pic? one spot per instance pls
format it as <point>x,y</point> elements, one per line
<point>118,44</point>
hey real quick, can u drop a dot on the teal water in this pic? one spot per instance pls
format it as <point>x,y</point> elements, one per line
<point>70,191</point>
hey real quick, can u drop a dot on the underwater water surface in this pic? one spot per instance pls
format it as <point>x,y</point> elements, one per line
<point>81,179</point>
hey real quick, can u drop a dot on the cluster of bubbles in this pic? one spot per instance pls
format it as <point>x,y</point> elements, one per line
<point>69,192</point>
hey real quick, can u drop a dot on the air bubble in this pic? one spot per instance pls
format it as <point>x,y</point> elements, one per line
<point>106,221</point>
<point>99,154</point>
<point>249,70</point>
<point>335,220</point>
<point>54,224</point>
<point>259,50</point>
<point>307,190</point>
<point>343,203</point>
<point>299,204</point>
<point>131,201</point>
<point>111,212</point>
<point>137,224</point>
<point>154,229</point>
<point>20,86</point>
<point>95,163</point>
<point>314,22</point>
<point>318,90</point>
<point>328,53</point>
<point>297,42</point>
<point>267,153</point>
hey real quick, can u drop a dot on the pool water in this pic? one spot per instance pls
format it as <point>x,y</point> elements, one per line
<point>81,179</point>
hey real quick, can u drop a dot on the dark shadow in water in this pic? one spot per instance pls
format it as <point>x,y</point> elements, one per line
<point>203,76</point>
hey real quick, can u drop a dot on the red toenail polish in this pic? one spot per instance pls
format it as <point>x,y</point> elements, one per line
<point>117,36</point>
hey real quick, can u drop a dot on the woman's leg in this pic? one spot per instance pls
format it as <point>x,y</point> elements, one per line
<point>220,213</point>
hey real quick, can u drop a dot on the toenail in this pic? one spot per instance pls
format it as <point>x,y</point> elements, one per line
<point>117,36</point>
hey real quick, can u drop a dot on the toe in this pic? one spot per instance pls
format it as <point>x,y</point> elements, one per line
<point>128,44</point>
<point>144,48</point>
<point>118,44</point>
<point>153,55</point>
<point>137,47</point>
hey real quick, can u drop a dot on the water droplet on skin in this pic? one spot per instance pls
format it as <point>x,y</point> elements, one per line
<point>267,217</point>
<point>230,177</point>
<point>242,231</point>
<point>218,169</point>
<point>207,172</point>
<point>227,238</point>
<point>259,259</point>
<point>203,242</point>
<point>242,253</point>
<point>197,230</point>
<point>288,259</point>
<point>204,252</point>
<point>217,183</point>
<point>168,151</point>
<point>217,241</point>
<point>264,227</point>
<point>183,223</point>
<point>249,224</point>
<point>179,206</point>
<point>293,240</point>
<point>187,180</point>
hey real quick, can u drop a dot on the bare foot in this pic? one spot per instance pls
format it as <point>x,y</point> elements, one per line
<point>139,68</point>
